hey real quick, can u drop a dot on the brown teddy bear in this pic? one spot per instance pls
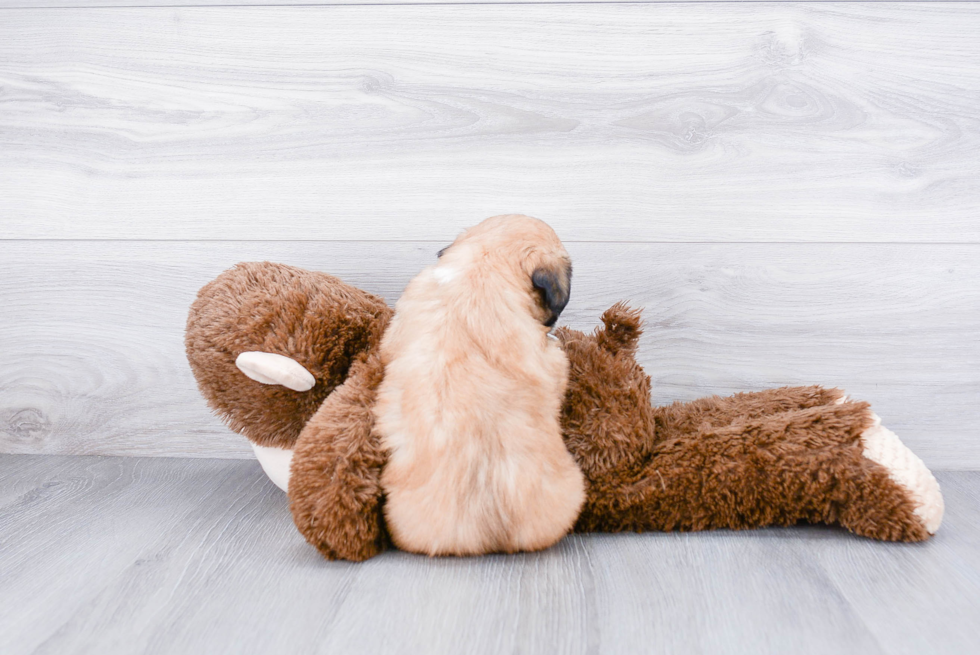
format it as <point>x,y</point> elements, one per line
<point>309,343</point>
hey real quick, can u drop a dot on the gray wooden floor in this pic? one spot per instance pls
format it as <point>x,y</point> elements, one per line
<point>159,555</point>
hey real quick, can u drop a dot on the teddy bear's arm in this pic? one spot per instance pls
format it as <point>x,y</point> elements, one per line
<point>335,483</point>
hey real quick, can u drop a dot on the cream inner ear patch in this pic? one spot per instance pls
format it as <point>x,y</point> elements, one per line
<point>270,368</point>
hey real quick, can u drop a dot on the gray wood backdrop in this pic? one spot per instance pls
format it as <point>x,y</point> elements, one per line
<point>791,190</point>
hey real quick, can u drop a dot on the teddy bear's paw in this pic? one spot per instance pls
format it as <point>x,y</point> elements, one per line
<point>275,462</point>
<point>270,368</point>
<point>883,447</point>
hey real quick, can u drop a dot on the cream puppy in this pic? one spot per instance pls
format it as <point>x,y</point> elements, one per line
<point>469,406</point>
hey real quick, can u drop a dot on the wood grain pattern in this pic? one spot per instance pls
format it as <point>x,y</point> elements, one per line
<point>615,122</point>
<point>93,360</point>
<point>78,4</point>
<point>180,556</point>
<point>892,589</point>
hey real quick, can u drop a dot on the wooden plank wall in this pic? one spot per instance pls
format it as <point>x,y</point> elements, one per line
<point>792,190</point>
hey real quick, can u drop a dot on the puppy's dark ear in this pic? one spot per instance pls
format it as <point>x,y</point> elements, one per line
<point>554,284</point>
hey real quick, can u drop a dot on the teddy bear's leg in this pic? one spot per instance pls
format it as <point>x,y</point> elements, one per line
<point>804,464</point>
<point>879,444</point>
<point>335,483</point>
<point>684,417</point>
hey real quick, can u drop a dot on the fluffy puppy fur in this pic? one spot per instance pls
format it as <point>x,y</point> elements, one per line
<point>469,407</point>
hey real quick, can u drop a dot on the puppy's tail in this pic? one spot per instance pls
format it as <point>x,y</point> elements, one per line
<point>623,326</point>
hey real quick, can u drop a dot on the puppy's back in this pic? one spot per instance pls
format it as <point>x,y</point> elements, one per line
<point>469,411</point>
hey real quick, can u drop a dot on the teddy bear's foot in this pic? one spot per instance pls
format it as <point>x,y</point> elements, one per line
<point>883,447</point>
<point>270,368</point>
<point>275,463</point>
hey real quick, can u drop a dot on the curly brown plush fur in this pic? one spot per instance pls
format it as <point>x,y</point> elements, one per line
<point>313,318</point>
<point>774,457</point>
<point>335,489</point>
<point>750,460</point>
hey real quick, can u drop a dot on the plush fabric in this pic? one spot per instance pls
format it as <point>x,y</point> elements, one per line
<point>769,458</point>
<point>750,460</point>
<point>313,318</point>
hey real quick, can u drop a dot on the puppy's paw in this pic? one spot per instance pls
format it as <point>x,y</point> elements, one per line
<point>270,368</point>
<point>883,447</point>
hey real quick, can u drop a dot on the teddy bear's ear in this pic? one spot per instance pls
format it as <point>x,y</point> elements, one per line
<point>623,327</point>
